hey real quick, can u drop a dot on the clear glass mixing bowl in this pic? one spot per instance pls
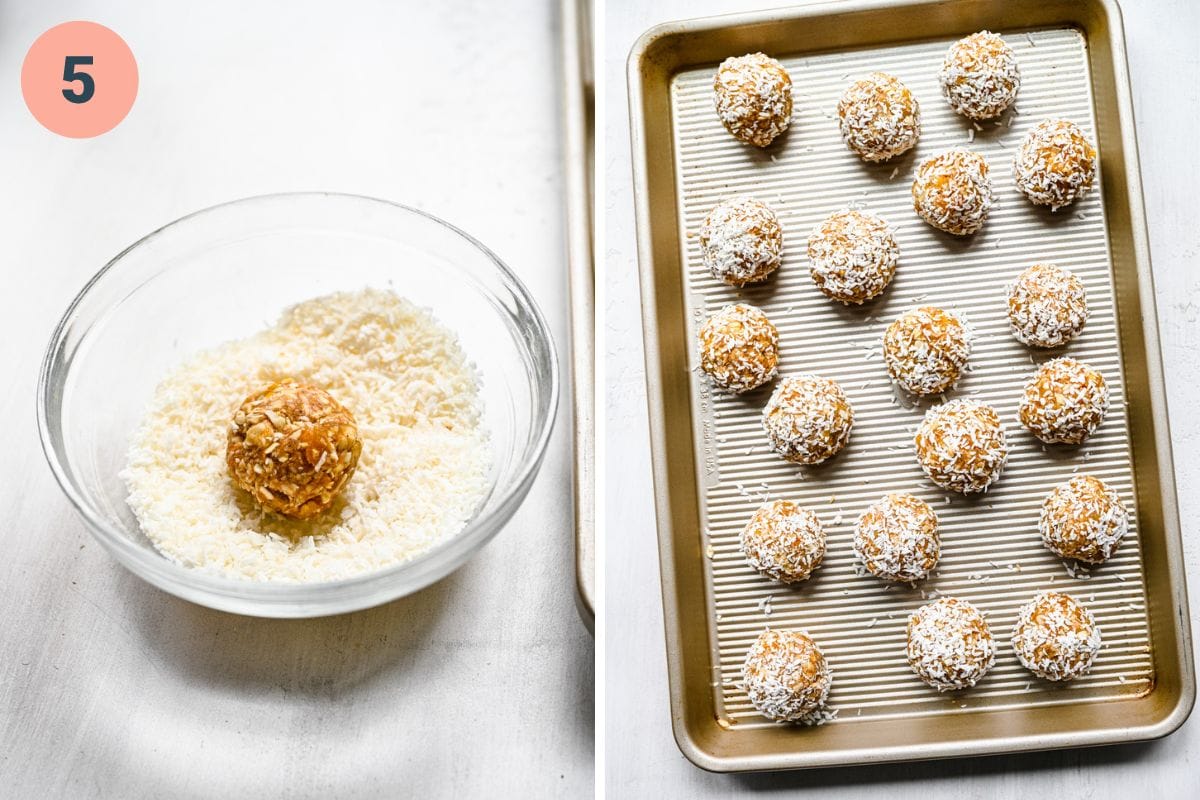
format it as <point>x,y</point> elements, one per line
<point>227,272</point>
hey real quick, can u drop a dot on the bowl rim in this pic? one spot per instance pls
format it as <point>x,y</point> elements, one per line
<point>287,599</point>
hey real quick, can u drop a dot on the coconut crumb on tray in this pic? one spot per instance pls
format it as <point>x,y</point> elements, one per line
<point>425,453</point>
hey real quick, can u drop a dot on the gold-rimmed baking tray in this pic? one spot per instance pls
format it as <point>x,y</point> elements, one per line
<point>711,465</point>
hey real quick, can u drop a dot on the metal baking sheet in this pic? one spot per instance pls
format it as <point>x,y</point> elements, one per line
<point>713,467</point>
<point>580,126</point>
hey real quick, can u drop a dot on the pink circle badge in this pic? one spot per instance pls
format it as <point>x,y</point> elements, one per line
<point>79,79</point>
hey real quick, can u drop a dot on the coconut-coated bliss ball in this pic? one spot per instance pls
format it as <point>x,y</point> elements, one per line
<point>786,676</point>
<point>1055,164</point>
<point>741,241</point>
<point>1064,402</point>
<point>1056,637</point>
<point>293,448</point>
<point>753,95</point>
<point>925,350</point>
<point>808,419</point>
<point>784,541</point>
<point>950,645</point>
<point>961,446</point>
<point>739,348</point>
<point>1083,520</point>
<point>879,117</point>
<point>852,256</point>
<point>896,538</point>
<point>979,76</point>
<point>952,191</point>
<point>1047,306</point>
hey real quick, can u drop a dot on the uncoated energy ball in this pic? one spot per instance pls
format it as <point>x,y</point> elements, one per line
<point>292,447</point>
<point>753,95</point>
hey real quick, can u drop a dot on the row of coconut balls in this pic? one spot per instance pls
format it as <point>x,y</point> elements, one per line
<point>879,119</point>
<point>960,444</point>
<point>950,646</point>
<point>878,116</point>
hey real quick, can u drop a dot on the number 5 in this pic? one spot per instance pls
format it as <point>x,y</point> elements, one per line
<point>69,75</point>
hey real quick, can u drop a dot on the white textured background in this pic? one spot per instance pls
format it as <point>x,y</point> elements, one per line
<point>478,686</point>
<point>642,759</point>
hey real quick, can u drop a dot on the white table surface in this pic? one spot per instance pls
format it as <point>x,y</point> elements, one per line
<point>478,686</point>
<point>641,757</point>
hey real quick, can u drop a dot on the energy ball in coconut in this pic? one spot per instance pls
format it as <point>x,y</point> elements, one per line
<point>1084,520</point>
<point>1055,637</point>
<point>950,645</point>
<point>896,538</point>
<point>786,676</point>
<point>784,541</point>
<point>961,446</point>
<point>925,350</point>
<point>1055,164</point>
<point>753,95</point>
<point>979,76</point>
<point>879,117</point>
<point>852,256</point>
<point>952,191</point>
<point>741,241</point>
<point>808,419</point>
<point>292,447</point>
<point>1064,402</point>
<point>1047,306</point>
<point>739,348</point>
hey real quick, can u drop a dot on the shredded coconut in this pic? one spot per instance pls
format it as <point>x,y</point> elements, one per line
<point>808,419</point>
<point>949,644</point>
<point>753,97</point>
<point>425,457</point>
<point>1064,402</point>
<point>1056,637</point>
<point>896,538</point>
<point>786,676</point>
<point>784,541</point>
<point>852,256</point>
<point>879,118</point>
<point>961,445</point>
<point>1047,306</point>
<point>741,241</point>
<point>1055,164</point>
<point>1083,519</point>
<point>952,191</point>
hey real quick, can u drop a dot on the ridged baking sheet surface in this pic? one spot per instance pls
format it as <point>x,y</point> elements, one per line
<point>991,551</point>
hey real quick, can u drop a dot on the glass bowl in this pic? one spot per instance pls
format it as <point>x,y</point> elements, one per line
<point>227,272</point>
